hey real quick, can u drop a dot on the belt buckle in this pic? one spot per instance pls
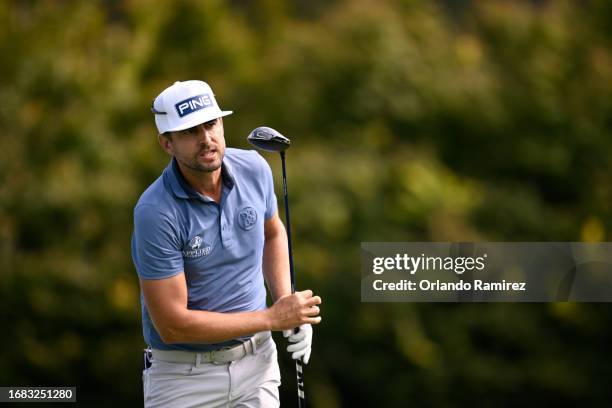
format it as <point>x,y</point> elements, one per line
<point>227,349</point>
<point>216,357</point>
<point>204,356</point>
<point>215,353</point>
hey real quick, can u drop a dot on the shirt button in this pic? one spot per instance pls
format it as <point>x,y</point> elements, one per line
<point>223,227</point>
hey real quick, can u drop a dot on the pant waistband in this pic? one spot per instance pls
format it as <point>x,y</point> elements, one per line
<point>221,356</point>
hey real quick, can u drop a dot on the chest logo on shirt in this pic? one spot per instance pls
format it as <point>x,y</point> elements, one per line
<point>247,218</point>
<point>196,248</point>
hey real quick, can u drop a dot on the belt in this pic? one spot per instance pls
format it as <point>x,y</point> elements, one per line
<point>221,356</point>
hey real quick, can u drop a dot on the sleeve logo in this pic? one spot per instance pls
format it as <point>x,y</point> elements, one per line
<point>196,248</point>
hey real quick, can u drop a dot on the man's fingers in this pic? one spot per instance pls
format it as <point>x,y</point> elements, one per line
<point>306,293</point>
<point>299,336</point>
<point>313,320</point>
<point>297,346</point>
<point>299,309</point>
<point>312,311</point>
<point>302,341</point>
<point>315,300</point>
<point>298,354</point>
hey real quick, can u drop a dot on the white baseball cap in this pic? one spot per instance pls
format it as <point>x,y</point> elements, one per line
<point>184,105</point>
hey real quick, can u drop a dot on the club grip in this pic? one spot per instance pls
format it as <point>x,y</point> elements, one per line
<point>300,384</point>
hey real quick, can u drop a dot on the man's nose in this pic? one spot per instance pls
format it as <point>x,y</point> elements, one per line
<point>204,135</point>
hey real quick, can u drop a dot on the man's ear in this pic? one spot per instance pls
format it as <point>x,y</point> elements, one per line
<point>165,141</point>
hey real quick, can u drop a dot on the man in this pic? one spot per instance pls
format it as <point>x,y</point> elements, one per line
<point>206,236</point>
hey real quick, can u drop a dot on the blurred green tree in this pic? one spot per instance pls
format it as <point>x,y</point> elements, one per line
<point>411,120</point>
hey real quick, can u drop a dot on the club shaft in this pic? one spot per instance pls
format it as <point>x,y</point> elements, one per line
<point>298,364</point>
<point>288,221</point>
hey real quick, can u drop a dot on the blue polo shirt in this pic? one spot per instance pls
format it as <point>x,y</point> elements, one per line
<point>219,247</point>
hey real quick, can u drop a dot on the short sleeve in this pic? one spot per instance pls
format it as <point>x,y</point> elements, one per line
<point>156,248</point>
<point>270,197</point>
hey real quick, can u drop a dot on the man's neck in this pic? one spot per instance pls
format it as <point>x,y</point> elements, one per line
<point>205,183</point>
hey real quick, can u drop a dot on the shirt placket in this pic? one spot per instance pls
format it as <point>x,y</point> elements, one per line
<point>225,222</point>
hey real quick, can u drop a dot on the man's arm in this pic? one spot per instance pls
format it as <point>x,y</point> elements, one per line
<point>276,258</point>
<point>166,301</point>
<point>276,272</point>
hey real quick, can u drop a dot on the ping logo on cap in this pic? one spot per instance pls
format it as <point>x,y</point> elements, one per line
<point>193,104</point>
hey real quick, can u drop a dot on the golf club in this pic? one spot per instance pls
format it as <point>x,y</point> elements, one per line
<point>270,140</point>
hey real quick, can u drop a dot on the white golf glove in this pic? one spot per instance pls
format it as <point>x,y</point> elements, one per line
<point>302,342</point>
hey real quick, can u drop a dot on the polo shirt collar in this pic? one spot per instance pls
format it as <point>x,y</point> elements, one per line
<point>181,189</point>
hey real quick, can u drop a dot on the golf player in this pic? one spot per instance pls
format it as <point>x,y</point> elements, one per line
<point>207,240</point>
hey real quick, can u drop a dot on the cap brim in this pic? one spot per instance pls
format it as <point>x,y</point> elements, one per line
<point>199,120</point>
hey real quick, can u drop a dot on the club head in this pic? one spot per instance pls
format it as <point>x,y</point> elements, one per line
<point>268,139</point>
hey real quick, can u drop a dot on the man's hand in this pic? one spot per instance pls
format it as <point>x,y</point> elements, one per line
<point>303,342</point>
<point>294,310</point>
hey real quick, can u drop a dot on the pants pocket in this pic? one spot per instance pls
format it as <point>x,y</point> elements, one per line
<point>145,385</point>
<point>267,350</point>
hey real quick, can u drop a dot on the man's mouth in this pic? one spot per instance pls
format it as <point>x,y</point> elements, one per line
<point>208,154</point>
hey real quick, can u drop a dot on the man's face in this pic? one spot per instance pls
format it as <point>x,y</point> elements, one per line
<point>200,148</point>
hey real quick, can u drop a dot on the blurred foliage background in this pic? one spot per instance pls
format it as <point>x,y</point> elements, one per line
<point>410,120</point>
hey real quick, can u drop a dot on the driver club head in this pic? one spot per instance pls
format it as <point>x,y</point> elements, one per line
<point>268,139</point>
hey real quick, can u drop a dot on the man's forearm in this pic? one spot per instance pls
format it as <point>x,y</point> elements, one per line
<point>199,326</point>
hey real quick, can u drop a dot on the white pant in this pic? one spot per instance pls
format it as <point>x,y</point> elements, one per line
<point>252,381</point>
